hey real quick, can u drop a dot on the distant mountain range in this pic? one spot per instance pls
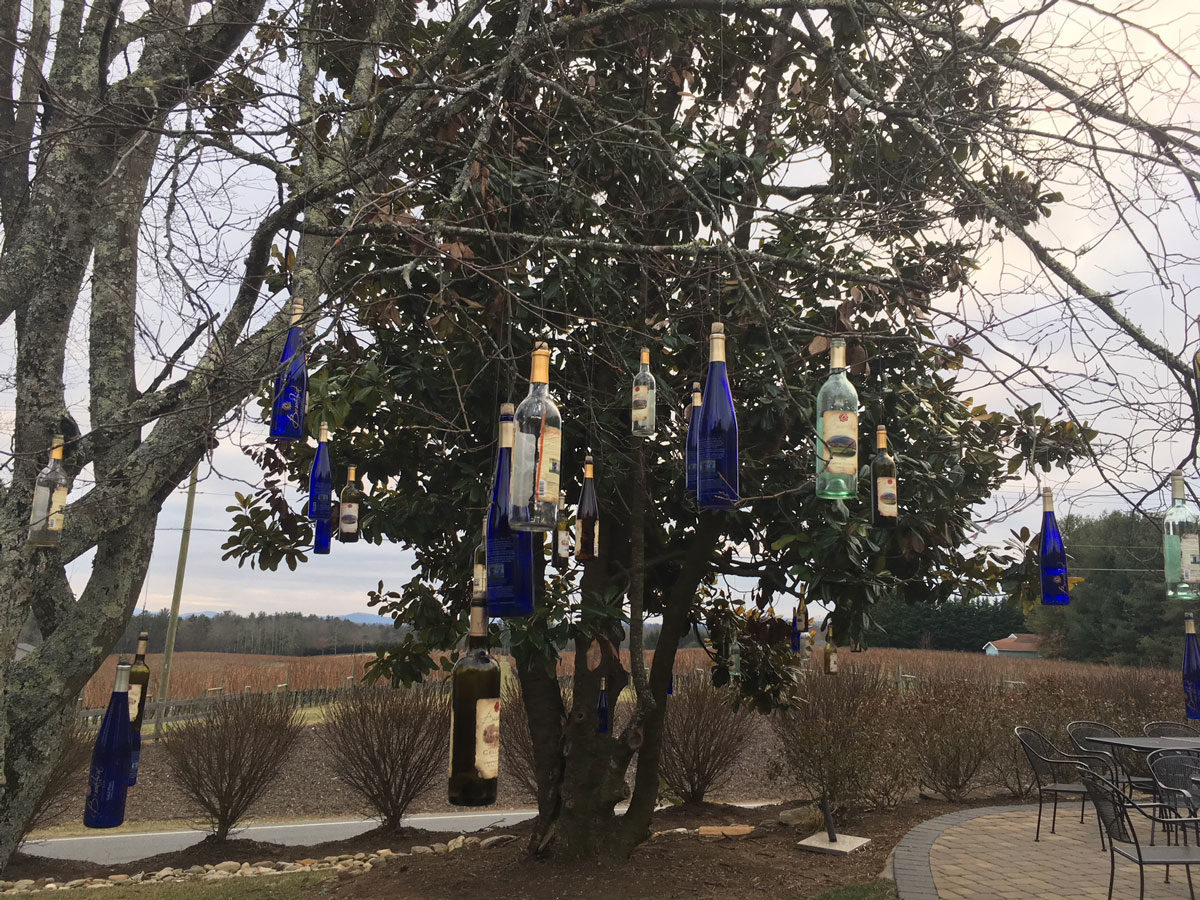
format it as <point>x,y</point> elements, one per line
<point>358,618</point>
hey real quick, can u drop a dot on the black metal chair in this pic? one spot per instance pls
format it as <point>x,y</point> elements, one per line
<point>1112,806</point>
<point>1169,729</point>
<point>1175,772</point>
<point>1056,773</point>
<point>1129,764</point>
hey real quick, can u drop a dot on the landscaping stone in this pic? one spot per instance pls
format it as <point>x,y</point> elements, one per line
<point>800,815</point>
<point>497,840</point>
<point>721,832</point>
<point>455,844</point>
<point>421,850</point>
<point>441,848</point>
<point>227,866</point>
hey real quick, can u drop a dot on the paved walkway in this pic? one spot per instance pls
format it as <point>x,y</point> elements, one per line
<point>989,854</point>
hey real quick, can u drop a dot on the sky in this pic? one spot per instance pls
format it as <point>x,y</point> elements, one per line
<point>338,584</point>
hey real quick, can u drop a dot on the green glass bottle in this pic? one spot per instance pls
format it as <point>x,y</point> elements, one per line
<point>1181,544</point>
<point>475,719</point>
<point>837,430</point>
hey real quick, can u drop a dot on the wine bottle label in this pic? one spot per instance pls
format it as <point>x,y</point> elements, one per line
<point>56,519</point>
<point>581,536</point>
<point>549,465</point>
<point>596,539</point>
<point>840,448</point>
<point>479,580</point>
<point>641,403</point>
<point>348,519</point>
<point>833,662</point>
<point>501,552</point>
<point>487,737</point>
<point>885,492</point>
<point>1190,557</point>
<point>564,543</point>
<point>135,701</point>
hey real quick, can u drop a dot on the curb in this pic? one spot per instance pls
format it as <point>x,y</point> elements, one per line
<point>911,868</point>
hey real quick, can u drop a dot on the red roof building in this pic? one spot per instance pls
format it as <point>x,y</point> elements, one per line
<point>1026,645</point>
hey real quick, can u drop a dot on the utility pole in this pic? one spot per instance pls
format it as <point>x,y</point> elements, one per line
<point>164,686</point>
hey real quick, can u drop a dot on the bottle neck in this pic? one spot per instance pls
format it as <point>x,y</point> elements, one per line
<point>297,311</point>
<point>716,348</point>
<point>540,371</point>
<point>645,360</point>
<point>1047,502</point>
<point>506,433</point>
<point>697,398</point>
<point>141,650</point>
<point>1189,625</point>
<point>1178,494</point>
<point>588,472</point>
<point>121,686</point>
<point>539,389</point>
<point>881,442</point>
<point>351,474</point>
<point>56,447</point>
<point>477,636</point>
<point>324,434</point>
<point>837,358</point>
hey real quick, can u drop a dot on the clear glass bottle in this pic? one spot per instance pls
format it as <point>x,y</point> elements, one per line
<point>475,719</point>
<point>645,398</point>
<point>349,503</point>
<point>46,517</point>
<point>537,453</point>
<point>717,445</point>
<point>837,430</point>
<point>289,402</point>
<point>885,507</point>
<point>1181,544</point>
<point>1052,558</point>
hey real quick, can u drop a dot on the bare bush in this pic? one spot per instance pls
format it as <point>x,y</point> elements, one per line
<point>68,778</point>
<point>956,728</point>
<point>388,745</point>
<point>225,761</point>
<point>703,737</point>
<point>516,747</point>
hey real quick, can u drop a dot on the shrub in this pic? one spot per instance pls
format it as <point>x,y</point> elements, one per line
<point>225,761</point>
<point>842,736</point>
<point>388,745</point>
<point>68,777</point>
<point>516,744</point>
<point>703,737</point>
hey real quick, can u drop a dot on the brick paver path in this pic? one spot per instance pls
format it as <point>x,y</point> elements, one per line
<point>989,854</point>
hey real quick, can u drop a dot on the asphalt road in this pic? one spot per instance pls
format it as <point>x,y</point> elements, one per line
<point>122,847</point>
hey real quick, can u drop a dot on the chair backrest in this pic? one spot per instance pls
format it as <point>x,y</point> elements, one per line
<point>1039,751</point>
<point>1081,734</point>
<point>1169,729</point>
<point>1173,771</point>
<point>1109,801</point>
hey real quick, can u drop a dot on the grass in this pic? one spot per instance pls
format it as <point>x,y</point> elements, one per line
<point>883,889</point>
<point>269,887</point>
<point>76,829</point>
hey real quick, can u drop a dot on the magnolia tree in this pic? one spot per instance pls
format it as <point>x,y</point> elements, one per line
<point>444,186</point>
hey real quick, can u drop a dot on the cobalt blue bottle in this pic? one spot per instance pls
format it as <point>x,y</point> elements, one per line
<point>1053,557</point>
<point>1191,667</point>
<point>509,553</point>
<point>320,494</point>
<point>717,448</point>
<point>290,400</point>
<point>108,780</point>
<point>602,724</point>
<point>692,446</point>
<point>799,628</point>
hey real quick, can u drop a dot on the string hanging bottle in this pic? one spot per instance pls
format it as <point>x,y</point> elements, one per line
<point>837,430</point>
<point>885,504</point>
<point>1052,559</point>
<point>831,660</point>
<point>46,516</point>
<point>537,452</point>
<point>717,443</point>
<point>108,778</point>
<point>602,717</point>
<point>475,719</point>
<point>587,519</point>
<point>479,568</point>
<point>562,545</point>
<point>139,685</point>
<point>692,442</point>
<point>1191,667</point>
<point>320,493</point>
<point>1181,544</point>
<point>290,400</point>
<point>799,628</point>
<point>509,553</point>
<point>349,504</point>
<point>645,398</point>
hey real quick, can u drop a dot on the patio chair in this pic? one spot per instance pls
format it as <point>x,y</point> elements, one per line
<point>1056,773</point>
<point>1129,764</point>
<point>1169,729</point>
<point>1174,772</point>
<point>1112,806</point>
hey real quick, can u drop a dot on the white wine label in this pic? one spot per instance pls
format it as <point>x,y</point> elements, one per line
<point>885,490</point>
<point>487,737</point>
<point>479,580</point>
<point>641,403</point>
<point>56,519</point>
<point>833,662</point>
<point>596,539</point>
<point>524,458</point>
<point>840,450</point>
<point>348,518</point>
<point>135,701</point>
<point>549,465</point>
<point>564,543</point>
<point>1190,544</point>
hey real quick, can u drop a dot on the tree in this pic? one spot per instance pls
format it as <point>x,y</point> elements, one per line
<point>956,625</point>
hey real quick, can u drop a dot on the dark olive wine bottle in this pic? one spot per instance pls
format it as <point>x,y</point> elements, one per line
<point>885,507</point>
<point>475,719</point>
<point>139,686</point>
<point>587,518</point>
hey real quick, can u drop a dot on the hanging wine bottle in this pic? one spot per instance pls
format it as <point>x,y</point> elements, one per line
<point>671,684</point>
<point>479,568</point>
<point>348,507</point>
<point>692,445</point>
<point>46,517</point>
<point>290,401</point>
<point>587,518</point>
<point>831,661</point>
<point>645,398</point>
<point>885,508</point>
<point>1191,667</point>
<point>562,545</point>
<point>510,581</point>
<point>602,725</point>
<point>475,719</point>
<point>320,491</point>
<point>1181,544</point>
<point>1053,557</point>
<point>735,658</point>
<point>537,453</point>
<point>108,779</point>
<point>139,685</point>
<point>717,446</point>
<point>837,430</point>
<point>799,627</point>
